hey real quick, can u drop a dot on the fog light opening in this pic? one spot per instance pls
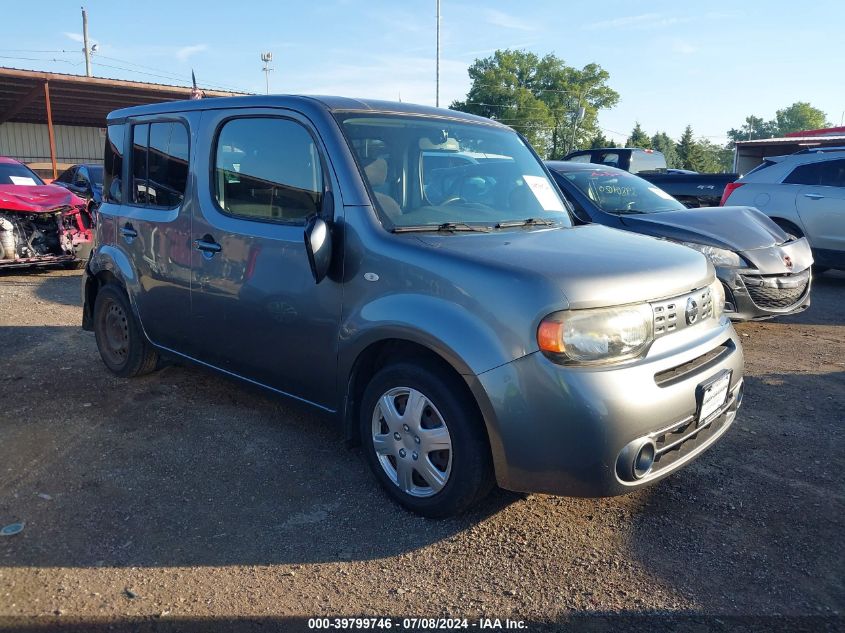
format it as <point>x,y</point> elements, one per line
<point>644,460</point>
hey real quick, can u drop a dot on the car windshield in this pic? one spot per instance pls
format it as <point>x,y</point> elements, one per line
<point>616,191</point>
<point>96,173</point>
<point>16,174</point>
<point>430,173</point>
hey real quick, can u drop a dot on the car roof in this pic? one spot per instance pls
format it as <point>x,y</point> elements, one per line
<point>333,104</point>
<point>563,166</point>
<point>7,161</point>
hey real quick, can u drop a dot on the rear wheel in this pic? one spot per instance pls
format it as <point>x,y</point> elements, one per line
<point>120,341</point>
<point>424,440</point>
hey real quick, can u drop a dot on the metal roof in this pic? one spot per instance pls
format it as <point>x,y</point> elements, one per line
<point>76,99</point>
<point>795,140</point>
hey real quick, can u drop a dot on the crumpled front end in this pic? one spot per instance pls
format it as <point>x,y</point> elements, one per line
<point>778,284</point>
<point>55,236</point>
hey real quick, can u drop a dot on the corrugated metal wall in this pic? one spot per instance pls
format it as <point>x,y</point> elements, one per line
<point>30,143</point>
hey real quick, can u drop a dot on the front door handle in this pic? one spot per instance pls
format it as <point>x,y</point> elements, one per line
<point>813,196</point>
<point>128,232</point>
<point>207,246</point>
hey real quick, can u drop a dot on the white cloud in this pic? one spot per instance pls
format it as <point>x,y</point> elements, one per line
<point>500,18</point>
<point>384,77</point>
<point>683,47</point>
<point>76,37</point>
<point>641,21</point>
<point>186,51</point>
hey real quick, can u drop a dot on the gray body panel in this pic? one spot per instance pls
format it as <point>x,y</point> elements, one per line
<point>253,310</point>
<point>818,212</point>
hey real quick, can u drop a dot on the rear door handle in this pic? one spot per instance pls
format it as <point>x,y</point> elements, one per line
<point>813,196</point>
<point>128,232</point>
<point>207,246</point>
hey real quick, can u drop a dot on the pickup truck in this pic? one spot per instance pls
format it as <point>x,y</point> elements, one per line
<point>690,188</point>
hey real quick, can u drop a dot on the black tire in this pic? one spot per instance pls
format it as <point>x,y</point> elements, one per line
<point>470,476</point>
<point>121,343</point>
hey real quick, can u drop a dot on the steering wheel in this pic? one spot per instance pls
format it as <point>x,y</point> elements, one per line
<point>452,200</point>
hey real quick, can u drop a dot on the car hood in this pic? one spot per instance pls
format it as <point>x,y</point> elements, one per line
<point>734,228</point>
<point>36,199</point>
<point>592,265</point>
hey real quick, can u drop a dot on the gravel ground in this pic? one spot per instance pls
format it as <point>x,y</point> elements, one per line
<point>187,501</point>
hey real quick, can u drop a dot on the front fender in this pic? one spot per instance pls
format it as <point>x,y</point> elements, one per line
<point>446,328</point>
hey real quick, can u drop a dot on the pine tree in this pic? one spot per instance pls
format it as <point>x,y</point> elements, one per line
<point>662,143</point>
<point>638,138</point>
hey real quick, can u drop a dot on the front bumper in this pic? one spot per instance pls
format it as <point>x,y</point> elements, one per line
<point>561,430</point>
<point>750,296</point>
<point>778,284</point>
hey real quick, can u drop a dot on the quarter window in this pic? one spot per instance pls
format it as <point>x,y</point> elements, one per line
<point>113,164</point>
<point>267,169</point>
<point>159,164</point>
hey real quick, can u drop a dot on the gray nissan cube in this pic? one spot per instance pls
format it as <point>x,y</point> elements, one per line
<point>415,273</point>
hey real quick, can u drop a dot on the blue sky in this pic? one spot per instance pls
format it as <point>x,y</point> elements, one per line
<point>708,64</point>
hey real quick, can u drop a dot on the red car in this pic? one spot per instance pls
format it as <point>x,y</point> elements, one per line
<point>40,224</point>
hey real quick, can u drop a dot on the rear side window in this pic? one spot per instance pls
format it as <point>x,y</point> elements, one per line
<point>810,174</point>
<point>267,169</point>
<point>829,173</point>
<point>611,159</point>
<point>113,164</point>
<point>159,164</point>
<point>646,161</point>
<point>581,158</point>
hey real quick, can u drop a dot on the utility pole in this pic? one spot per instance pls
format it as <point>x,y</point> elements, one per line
<point>85,49</point>
<point>267,58</point>
<point>437,91</point>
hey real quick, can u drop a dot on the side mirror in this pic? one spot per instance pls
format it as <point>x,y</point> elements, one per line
<point>318,242</point>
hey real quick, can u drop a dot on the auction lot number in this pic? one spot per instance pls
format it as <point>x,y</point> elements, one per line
<point>388,623</point>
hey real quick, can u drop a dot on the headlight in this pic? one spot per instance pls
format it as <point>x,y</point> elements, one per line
<point>603,335</point>
<point>719,256</point>
<point>717,298</point>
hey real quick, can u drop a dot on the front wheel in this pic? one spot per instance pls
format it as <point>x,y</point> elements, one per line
<point>424,439</point>
<point>123,347</point>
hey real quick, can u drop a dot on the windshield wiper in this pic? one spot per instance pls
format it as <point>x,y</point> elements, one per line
<point>445,226</point>
<point>627,212</point>
<point>525,222</point>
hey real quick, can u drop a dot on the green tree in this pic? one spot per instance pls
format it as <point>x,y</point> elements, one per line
<point>753,128</point>
<point>713,158</point>
<point>800,116</point>
<point>539,97</point>
<point>663,143</point>
<point>600,140</point>
<point>638,138</point>
<point>689,152</point>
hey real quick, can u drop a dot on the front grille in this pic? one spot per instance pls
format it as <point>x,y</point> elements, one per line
<point>777,292</point>
<point>671,314</point>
